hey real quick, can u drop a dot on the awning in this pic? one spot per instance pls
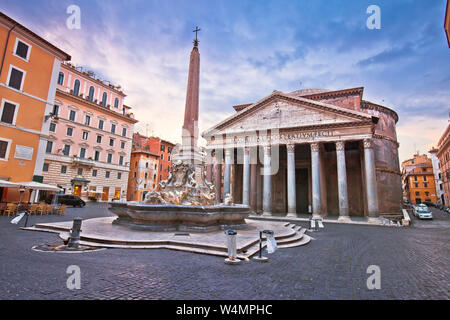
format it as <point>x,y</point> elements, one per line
<point>38,186</point>
<point>80,180</point>
<point>8,184</point>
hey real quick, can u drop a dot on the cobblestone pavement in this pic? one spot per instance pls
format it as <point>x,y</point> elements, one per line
<point>414,264</point>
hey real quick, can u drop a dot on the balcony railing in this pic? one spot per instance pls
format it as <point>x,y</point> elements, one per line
<point>83,161</point>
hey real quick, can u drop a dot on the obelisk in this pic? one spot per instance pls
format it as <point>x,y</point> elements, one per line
<point>189,152</point>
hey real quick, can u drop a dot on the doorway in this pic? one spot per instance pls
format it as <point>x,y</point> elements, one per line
<point>77,190</point>
<point>301,190</point>
<point>105,194</point>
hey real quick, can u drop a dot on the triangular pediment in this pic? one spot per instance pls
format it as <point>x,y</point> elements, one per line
<point>282,111</point>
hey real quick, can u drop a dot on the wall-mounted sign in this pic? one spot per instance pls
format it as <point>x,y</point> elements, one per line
<point>23,152</point>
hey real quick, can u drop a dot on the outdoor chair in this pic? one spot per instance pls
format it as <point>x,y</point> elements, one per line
<point>61,210</point>
<point>33,209</point>
<point>10,209</point>
<point>42,209</point>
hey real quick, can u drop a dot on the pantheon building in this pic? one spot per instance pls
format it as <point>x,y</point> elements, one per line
<point>311,151</point>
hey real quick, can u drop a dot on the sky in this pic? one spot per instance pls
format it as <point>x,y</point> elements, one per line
<point>250,48</point>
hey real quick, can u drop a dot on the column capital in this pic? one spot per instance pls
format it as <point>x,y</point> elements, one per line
<point>340,145</point>
<point>367,143</point>
<point>290,147</point>
<point>267,150</point>
<point>314,147</point>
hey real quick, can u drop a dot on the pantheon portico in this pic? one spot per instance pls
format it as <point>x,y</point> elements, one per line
<point>311,151</point>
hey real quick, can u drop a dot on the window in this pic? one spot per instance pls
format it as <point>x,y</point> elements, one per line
<point>121,160</point>
<point>145,186</point>
<point>109,159</point>
<point>146,175</point>
<point>72,115</point>
<point>116,102</point>
<point>162,156</point>
<point>49,147</point>
<point>61,78</point>
<point>425,178</point>
<point>66,150</point>
<point>417,193</point>
<point>107,173</point>
<point>168,158</point>
<point>104,98</point>
<point>425,185</point>
<point>415,178</point>
<point>45,168</point>
<point>134,174</point>
<point>427,193</point>
<point>154,177</point>
<point>119,175</point>
<point>122,145</point>
<point>96,155</point>
<point>76,87</point>
<point>63,169</point>
<point>55,111</point>
<point>416,185</point>
<point>87,120</point>
<point>80,171</point>
<point>69,131</point>
<point>8,112</point>
<point>91,93</point>
<point>169,150</point>
<point>4,149</point>
<point>146,164</point>
<point>100,124</point>
<point>113,128</point>
<point>111,142</point>
<point>52,127</point>
<point>94,172</point>
<point>16,78</point>
<point>99,139</point>
<point>163,148</point>
<point>22,50</point>
<point>85,135</point>
<point>82,153</point>
<point>124,132</point>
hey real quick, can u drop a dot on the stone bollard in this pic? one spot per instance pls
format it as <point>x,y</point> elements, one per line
<point>74,238</point>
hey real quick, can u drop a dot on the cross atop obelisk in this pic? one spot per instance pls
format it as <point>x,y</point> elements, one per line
<point>196,30</point>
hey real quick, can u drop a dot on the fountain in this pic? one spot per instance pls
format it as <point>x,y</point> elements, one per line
<point>186,200</point>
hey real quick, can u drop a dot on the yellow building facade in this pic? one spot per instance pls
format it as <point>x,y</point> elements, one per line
<point>28,76</point>
<point>418,180</point>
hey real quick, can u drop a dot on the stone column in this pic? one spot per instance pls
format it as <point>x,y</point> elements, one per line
<point>246,178</point>
<point>253,185</point>
<point>342,181</point>
<point>315,177</point>
<point>292,198</point>
<point>218,178</point>
<point>267,196</point>
<point>371,180</point>
<point>227,173</point>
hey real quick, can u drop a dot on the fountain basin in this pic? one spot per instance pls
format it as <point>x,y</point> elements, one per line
<point>171,217</point>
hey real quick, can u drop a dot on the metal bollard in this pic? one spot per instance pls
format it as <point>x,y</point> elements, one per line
<point>260,257</point>
<point>74,238</point>
<point>232,250</point>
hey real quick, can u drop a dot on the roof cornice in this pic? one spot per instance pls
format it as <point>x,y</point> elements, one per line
<point>95,106</point>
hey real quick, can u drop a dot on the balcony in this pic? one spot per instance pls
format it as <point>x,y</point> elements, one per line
<point>83,161</point>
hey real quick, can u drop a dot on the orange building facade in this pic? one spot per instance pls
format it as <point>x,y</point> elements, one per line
<point>418,180</point>
<point>28,76</point>
<point>444,162</point>
<point>151,160</point>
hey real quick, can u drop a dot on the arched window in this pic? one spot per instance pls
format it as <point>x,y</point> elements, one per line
<point>76,87</point>
<point>61,78</point>
<point>91,93</point>
<point>116,102</point>
<point>104,98</point>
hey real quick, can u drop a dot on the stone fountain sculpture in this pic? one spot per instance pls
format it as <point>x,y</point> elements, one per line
<point>181,188</point>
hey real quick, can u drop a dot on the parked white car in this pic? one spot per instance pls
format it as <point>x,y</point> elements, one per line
<point>421,211</point>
